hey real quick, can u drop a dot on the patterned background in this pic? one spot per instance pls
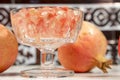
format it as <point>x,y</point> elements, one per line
<point>105,16</point>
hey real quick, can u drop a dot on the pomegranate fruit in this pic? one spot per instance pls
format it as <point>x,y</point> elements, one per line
<point>119,46</point>
<point>87,52</point>
<point>8,48</point>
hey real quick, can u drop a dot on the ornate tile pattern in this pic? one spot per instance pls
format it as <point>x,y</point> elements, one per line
<point>4,16</point>
<point>26,55</point>
<point>105,16</point>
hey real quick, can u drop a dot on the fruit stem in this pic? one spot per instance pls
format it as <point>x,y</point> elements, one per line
<point>103,65</point>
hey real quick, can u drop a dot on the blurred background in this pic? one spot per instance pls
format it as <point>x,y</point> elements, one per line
<point>103,13</point>
<point>58,1</point>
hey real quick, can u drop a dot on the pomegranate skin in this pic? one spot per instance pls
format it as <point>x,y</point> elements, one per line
<point>74,59</point>
<point>8,48</point>
<point>119,46</point>
<point>87,52</point>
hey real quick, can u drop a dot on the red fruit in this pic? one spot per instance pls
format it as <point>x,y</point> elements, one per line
<point>8,48</point>
<point>41,21</point>
<point>87,52</point>
<point>119,46</point>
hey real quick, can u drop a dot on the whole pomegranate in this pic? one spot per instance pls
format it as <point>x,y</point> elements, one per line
<point>87,52</point>
<point>8,48</point>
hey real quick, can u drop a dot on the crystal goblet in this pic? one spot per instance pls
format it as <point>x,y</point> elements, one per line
<point>46,28</point>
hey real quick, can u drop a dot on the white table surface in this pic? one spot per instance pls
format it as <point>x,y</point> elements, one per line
<point>13,73</point>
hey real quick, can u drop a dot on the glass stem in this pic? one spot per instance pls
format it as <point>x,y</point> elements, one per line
<point>47,58</point>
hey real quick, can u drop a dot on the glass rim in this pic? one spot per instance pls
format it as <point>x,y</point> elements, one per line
<point>17,9</point>
<point>81,16</point>
<point>80,12</point>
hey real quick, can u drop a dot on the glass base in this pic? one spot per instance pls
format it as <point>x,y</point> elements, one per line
<point>47,72</point>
